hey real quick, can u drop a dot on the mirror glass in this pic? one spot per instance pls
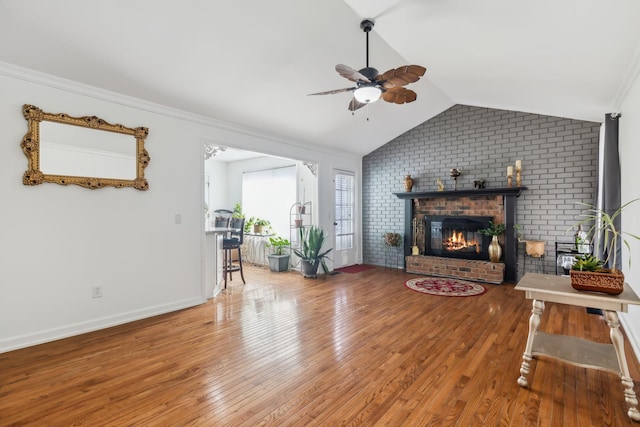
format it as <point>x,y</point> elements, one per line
<point>85,151</point>
<point>76,151</point>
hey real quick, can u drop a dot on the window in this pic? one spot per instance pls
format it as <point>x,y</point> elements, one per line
<point>345,207</point>
<point>269,194</point>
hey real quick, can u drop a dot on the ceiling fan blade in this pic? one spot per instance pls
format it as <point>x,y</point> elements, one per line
<point>355,104</point>
<point>331,92</point>
<point>399,95</point>
<point>351,74</point>
<point>402,76</point>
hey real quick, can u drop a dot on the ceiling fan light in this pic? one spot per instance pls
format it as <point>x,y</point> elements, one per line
<point>367,94</point>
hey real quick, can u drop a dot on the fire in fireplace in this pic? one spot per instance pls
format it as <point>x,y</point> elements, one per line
<point>456,236</point>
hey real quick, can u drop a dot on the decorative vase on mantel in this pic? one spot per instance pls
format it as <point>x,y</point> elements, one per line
<point>408,183</point>
<point>495,250</point>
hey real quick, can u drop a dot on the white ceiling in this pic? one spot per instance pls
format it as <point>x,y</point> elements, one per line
<point>254,62</point>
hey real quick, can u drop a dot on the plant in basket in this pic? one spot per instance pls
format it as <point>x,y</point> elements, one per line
<point>587,272</point>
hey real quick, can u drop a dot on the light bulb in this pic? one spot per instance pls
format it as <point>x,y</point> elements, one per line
<point>367,94</point>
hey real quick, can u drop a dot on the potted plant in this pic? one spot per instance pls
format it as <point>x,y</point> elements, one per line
<point>237,211</point>
<point>279,258</point>
<point>587,272</point>
<point>310,253</point>
<point>255,224</point>
<point>533,248</point>
<point>494,230</point>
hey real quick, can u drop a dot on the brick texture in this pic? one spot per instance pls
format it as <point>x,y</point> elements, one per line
<point>559,162</point>
<point>480,271</point>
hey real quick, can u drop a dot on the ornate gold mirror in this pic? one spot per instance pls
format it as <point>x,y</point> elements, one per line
<point>68,150</point>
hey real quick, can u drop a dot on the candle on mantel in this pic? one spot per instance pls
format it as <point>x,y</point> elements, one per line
<point>509,170</point>
<point>518,165</point>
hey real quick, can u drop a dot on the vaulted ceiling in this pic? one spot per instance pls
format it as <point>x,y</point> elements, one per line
<point>254,62</point>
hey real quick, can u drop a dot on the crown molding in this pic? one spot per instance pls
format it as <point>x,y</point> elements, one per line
<point>37,77</point>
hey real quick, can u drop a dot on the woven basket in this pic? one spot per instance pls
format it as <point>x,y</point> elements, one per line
<point>601,281</point>
<point>534,248</point>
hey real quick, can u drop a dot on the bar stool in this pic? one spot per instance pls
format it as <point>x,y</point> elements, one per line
<point>233,241</point>
<point>222,218</point>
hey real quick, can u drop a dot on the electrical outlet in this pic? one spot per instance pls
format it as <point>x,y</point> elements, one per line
<point>96,291</point>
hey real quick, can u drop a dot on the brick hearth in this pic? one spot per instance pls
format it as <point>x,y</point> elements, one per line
<point>480,271</point>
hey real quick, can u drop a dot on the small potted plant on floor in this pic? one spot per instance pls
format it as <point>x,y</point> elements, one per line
<point>494,230</point>
<point>587,272</point>
<point>310,253</point>
<point>279,257</point>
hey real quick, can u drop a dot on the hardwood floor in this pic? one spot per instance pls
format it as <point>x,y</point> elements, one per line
<point>346,349</point>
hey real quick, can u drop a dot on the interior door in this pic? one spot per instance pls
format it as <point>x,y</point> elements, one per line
<point>345,251</point>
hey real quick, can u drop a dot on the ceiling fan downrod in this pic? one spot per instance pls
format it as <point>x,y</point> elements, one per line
<point>367,26</point>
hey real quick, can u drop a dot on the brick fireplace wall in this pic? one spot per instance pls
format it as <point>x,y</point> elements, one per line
<point>559,158</point>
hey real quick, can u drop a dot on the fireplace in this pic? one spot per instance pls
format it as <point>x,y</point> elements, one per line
<point>456,236</point>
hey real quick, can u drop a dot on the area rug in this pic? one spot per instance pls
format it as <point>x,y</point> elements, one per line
<point>355,268</point>
<point>443,286</point>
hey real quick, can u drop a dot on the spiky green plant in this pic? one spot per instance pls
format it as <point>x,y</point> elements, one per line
<point>586,262</point>
<point>603,224</point>
<point>312,238</point>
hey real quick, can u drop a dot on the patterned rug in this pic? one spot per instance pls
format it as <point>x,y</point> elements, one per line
<point>443,286</point>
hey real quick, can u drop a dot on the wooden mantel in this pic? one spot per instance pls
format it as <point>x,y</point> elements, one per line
<point>506,191</point>
<point>510,195</point>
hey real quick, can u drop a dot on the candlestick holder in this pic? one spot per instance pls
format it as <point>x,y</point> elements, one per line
<point>509,180</point>
<point>455,173</point>
<point>518,178</point>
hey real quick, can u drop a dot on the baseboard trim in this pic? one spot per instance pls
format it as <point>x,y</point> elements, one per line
<point>41,337</point>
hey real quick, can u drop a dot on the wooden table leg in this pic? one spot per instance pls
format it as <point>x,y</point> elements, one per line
<point>618,343</point>
<point>534,322</point>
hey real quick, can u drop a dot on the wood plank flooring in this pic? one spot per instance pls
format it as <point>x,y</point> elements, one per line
<point>345,349</point>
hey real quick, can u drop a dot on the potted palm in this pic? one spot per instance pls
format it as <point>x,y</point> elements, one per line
<point>587,272</point>
<point>279,257</point>
<point>494,230</point>
<point>310,252</point>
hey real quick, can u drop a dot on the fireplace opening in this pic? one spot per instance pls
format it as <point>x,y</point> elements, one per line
<point>457,236</point>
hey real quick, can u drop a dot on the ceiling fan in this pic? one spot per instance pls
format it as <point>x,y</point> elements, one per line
<point>371,86</point>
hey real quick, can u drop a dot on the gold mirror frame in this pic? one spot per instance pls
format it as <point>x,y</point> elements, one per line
<point>31,147</point>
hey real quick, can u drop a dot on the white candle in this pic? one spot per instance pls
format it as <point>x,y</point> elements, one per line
<point>518,165</point>
<point>509,170</point>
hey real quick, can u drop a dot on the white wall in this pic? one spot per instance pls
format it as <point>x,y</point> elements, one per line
<point>218,186</point>
<point>629,155</point>
<point>56,242</point>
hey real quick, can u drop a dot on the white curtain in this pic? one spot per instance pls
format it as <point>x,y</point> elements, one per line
<point>269,194</point>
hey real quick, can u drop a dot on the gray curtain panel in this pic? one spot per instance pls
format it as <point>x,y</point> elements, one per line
<point>611,178</point>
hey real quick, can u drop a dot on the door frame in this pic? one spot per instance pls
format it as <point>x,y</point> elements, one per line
<point>354,255</point>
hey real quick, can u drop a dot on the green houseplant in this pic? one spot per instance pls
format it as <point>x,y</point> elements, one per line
<point>310,252</point>
<point>256,223</point>
<point>608,280</point>
<point>494,230</point>
<point>237,211</point>
<point>279,257</point>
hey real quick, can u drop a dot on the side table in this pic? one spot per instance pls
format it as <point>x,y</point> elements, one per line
<point>543,288</point>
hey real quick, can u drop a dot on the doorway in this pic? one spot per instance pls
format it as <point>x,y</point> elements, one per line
<point>344,221</point>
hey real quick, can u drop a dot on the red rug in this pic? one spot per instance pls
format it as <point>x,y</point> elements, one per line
<point>355,268</point>
<point>443,286</point>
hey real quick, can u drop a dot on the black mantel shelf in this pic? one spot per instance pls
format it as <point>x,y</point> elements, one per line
<point>469,192</point>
